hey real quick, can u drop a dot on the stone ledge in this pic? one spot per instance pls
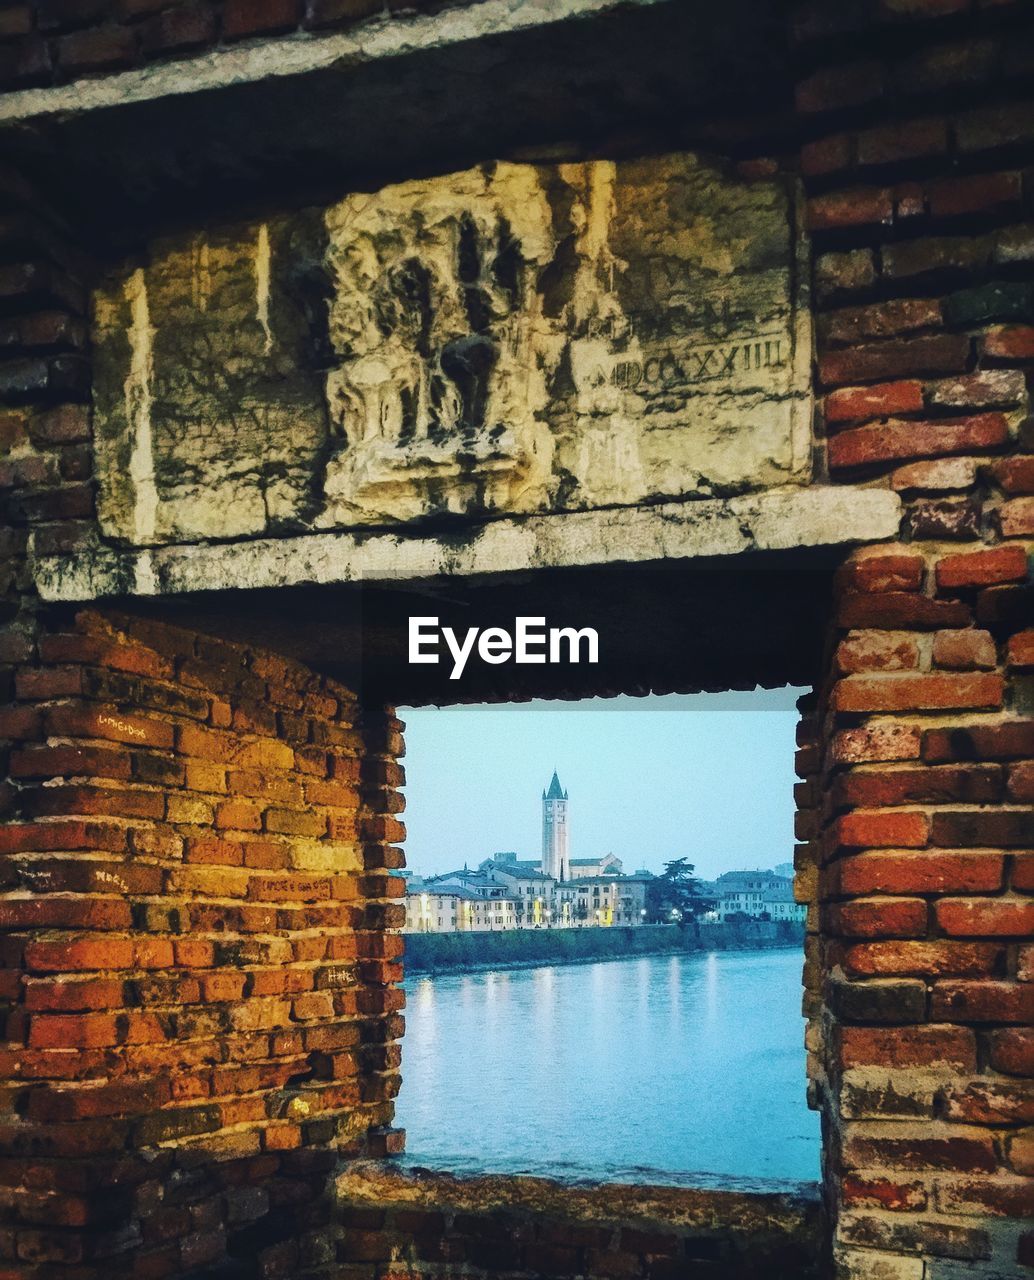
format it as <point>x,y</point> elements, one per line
<point>297,54</point>
<point>779,520</point>
<point>756,1220</point>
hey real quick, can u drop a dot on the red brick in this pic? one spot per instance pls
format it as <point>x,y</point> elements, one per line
<point>326,13</point>
<point>893,440</point>
<point>886,361</point>
<point>860,1191</point>
<point>852,404</point>
<point>70,761</point>
<point>47,837</point>
<point>969,828</point>
<point>889,319</point>
<point>999,1195</point>
<point>937,476</point>
<point>876,742</point>
<point>880,829</point>
<point>879,918</point>
<point>981,568</point>
<point>1016,518</point>
<point>901,610</point>
<point>957,1001</point>
<point>72,1031</point>
<point>1010,342</point>
<point>933,692</point>
<point>94,1101</point>
<point>1012,1051</point>
<point>20,723</point>
<point>922,959</point>
<point>975,194</point>
<point>79,721</point>
<point>243,18</point>
<point>81,954</point>
<point>942,520</point>
<point>985,917</point>
<point>53,912</point>
<point>920,1046</point>
<point>877,651</point>
<point>841,86</point>
<point>951,1148</point>
<point>82,799</point>
<point>877,788</point>
<point>940,256</point>
<point>983,1101</point>
<point>63,996</point>
<point>96,49</point>
<point>1015,475</point>
<point>885,571</point>
<point>828,155</point>
<point>964,650</point>
<point>184,27</point>
<point>1007,740</point>
<point>984,389</point>
<point>932,871</point>
<point>907,140</point>
<point>1021,782</point>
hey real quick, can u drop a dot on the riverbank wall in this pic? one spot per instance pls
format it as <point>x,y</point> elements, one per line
<point>436,953</point>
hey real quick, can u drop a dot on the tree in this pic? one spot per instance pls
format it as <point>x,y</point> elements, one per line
<point>675,894</point>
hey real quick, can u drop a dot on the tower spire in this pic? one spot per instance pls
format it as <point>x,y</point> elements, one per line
<point>556,861</point>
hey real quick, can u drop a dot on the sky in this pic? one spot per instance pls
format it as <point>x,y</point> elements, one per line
<point>708,777</point>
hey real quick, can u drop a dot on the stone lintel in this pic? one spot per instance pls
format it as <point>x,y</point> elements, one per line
<point>279,58</point>
<point>778,520</point>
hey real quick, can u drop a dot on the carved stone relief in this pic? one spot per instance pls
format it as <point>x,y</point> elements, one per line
<point>509,339</point>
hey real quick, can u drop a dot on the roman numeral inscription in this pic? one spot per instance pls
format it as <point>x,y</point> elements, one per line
<point>723,360</point>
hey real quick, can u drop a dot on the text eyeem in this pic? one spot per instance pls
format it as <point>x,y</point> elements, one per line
<point>530,642</point>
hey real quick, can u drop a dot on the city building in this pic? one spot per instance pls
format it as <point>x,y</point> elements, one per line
<point>758,894</point>
<point>507,891</point>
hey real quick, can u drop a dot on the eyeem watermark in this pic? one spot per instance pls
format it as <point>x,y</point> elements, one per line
<point>530,643</point>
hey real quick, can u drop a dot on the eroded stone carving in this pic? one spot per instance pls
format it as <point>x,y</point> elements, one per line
<point>509,339</point>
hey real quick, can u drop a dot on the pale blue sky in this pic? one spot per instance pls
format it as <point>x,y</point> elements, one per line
<point>708,776</point>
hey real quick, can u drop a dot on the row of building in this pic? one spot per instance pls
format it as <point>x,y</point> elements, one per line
<point>558,891</point>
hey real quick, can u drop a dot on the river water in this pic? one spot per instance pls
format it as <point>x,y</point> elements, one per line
<point>672,1069</point>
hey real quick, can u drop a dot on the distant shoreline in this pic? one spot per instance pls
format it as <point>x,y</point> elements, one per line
<point>439,954</point>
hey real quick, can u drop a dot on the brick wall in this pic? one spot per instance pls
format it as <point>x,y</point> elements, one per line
<point>401,1226</point>
<point>46,42</point>
<point>199,969</point>
<point>918,755</point>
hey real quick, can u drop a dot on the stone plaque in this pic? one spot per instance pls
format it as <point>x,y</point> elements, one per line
<point>513,338</point>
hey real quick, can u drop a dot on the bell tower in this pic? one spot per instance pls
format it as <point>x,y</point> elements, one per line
<point>556,858</point>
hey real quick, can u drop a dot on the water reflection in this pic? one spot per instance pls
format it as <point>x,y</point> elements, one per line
<point>677,1069</point>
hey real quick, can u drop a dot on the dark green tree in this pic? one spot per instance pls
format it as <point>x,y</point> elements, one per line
<point>675,894</point>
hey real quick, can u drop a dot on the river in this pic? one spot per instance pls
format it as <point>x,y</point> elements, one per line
<point>684,1069</point>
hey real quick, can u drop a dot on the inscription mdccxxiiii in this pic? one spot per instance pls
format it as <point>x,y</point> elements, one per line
<point>704,363</point>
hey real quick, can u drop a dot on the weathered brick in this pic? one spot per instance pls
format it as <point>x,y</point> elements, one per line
<point>981,568</point>
<point>884,400</point>
<point>964,650</point>
<point>933,692</point>
<point>985,917</point>
<point>923,959</point>
<point>882,829</point>
<point>893,440</point>
<point>967,1001</point>
<point>988,828</point>
<point>931,871</point>
<point>923,1046</point>
<point>886,361</point>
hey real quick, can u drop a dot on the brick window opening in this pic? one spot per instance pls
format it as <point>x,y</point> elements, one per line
<point>570,1011</point>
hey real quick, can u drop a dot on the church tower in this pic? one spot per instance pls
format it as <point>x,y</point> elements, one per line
<point>556,858</point>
